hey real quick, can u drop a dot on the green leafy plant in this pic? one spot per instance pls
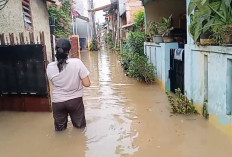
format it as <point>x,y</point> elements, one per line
<point>152,28</point>
<point>139,19</point>
<point>135,42</point>
<point>141,69</point>
<point>125,58</point>
<point>63,19</point>
<point>202,17</point>
<point>165,26</point>
<point>93,45</point>
<point>209,15</point>
<point>223,13</point>
<point>109,40</point>
<point>205,109</point>
<point>222,28</point>
<point>134,62</point>
<point>181,104</point>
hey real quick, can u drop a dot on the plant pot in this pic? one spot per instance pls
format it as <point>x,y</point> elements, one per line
<point>168,39</point>
<point>205,42</point>
<point>206,39</point>
<point>158,39</point>
<point>227,39</point>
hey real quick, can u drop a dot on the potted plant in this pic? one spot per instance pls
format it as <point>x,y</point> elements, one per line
<point>164,29</point>
<point>207,38</point>
<point>151,30</point>
<point>202,19</point>
<point>211,17</point>
<point>222,27</point>
<point>157,38</point>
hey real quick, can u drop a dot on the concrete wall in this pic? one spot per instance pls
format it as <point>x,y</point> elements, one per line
<point>157,9</point>
<point>159,56</point>
<point>208,76</point>
<point>11,21</point>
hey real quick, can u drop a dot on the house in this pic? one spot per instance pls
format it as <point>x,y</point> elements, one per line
<point>127,11</point>
<point>159,54</point>
<point>205,71</point>
<point>208,80</point>
<point>83,22</point>
<point>26,49</point>
<point>24,16</point>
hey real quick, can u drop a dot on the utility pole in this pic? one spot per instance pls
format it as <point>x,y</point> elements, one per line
<point>73,25</point>
<point>93,20</point>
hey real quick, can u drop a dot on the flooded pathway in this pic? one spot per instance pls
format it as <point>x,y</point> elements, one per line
<point>124,118</point>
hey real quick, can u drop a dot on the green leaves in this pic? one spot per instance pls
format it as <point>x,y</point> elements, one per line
<point>63,19</point>
<point>139,19</point>
<point>165,27</point>
<point>180,104</point>
<point>135,42</point>
<point>227,3</point>
<point>206,13</point>
<point>141,69</point>
<point>93,45</point>
<point>134,61</point>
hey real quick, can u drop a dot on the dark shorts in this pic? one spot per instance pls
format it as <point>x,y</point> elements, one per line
<point>74,108</point>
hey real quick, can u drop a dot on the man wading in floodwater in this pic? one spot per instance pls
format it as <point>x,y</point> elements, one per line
<point>68,76</point>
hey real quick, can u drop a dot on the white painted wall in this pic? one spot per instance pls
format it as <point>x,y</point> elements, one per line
<point>157,9</point>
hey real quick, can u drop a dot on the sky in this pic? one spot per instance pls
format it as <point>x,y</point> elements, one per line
<point>99,14</point>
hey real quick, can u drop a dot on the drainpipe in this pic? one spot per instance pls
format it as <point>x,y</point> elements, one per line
<point>93,20</point>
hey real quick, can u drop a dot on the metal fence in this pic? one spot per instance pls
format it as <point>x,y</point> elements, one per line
<point>23,81</point>
<point>176,73</point>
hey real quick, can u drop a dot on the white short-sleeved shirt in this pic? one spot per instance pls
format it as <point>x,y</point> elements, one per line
<point>67,83</point>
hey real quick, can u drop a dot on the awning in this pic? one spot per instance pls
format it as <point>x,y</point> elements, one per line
<point>127,25</point>
<point>100,8</point>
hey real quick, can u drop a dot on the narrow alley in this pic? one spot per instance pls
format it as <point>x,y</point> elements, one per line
<point>124,118</point>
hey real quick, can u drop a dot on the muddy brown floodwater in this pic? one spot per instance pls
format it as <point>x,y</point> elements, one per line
<point>124,118</point>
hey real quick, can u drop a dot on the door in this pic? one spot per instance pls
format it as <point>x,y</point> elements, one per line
<point>176,72</point>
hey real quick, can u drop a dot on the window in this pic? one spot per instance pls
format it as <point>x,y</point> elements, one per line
<point>27,14</point>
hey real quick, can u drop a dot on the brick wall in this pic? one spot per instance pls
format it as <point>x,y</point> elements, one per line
<point>132,7</point>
